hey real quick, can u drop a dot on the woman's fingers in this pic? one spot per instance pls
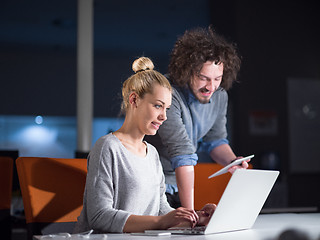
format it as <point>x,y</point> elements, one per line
<point>188,215</point>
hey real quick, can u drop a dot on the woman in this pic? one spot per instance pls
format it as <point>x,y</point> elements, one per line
<point>125,190</point>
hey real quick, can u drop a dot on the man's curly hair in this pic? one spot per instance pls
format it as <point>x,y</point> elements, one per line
<point>198,46</point>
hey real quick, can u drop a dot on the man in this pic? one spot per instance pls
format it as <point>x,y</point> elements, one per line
<point>203,66</point>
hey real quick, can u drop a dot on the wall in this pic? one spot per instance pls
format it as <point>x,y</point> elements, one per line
<point>38,50</point>
<point>279,41</point>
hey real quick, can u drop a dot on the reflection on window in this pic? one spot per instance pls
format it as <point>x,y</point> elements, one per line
<point>48,136</point>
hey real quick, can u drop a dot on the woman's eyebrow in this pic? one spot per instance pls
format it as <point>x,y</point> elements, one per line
<point>161,101</point>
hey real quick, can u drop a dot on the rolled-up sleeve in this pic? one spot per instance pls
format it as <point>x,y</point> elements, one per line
<point>209,146</point>
<point>184,160</point>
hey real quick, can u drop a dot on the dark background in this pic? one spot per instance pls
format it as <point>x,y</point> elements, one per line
<point>278,41</point>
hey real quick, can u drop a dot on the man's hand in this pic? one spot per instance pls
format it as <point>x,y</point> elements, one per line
<point>243,165</point>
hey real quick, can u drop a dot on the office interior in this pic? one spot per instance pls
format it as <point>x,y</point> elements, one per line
<point>274,108</point>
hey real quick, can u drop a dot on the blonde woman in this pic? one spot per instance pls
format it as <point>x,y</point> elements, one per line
<point>125,189</point>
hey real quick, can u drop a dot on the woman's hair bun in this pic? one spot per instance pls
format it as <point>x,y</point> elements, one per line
<point>142,64</point>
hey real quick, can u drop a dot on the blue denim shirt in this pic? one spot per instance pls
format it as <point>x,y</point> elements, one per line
<point>190,126</point>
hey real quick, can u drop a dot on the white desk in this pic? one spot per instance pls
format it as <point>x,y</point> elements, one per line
<point>266,227</point>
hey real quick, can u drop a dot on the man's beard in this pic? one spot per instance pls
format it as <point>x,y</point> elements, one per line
<point>202,100</point>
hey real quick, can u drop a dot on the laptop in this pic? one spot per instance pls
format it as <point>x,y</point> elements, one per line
<point>240,204</point>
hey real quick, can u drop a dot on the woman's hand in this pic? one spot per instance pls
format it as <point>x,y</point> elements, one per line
<point>205,214</point>
<point>179,217</point>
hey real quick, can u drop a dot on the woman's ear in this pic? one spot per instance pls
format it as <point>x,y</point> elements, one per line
<point>133,99</point>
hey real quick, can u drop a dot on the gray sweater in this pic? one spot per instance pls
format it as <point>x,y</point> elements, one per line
<point>119,184</point>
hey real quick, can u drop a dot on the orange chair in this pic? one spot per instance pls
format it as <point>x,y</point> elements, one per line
<point>209,190</point>
<point>52,192</point>
<point>6,173</point>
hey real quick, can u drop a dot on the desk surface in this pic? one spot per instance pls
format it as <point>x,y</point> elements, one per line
<point>266,227</point>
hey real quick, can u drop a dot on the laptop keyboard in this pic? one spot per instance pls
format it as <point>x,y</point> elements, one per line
<point>197,229</point>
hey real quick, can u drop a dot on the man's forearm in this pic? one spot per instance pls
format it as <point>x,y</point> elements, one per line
<point>185,183</point>
<point>222,154</point>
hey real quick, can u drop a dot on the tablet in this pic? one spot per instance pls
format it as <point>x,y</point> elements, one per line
<point>225,169</point>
